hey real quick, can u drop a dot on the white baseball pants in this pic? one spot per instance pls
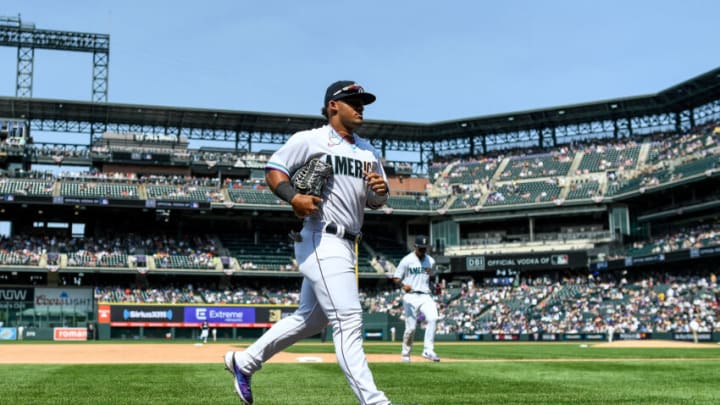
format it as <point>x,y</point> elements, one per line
<point>329,292</point>
<point>414,304</point>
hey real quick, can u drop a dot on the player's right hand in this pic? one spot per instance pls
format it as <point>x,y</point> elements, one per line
<point>305,205</point>
<point>376,183</point>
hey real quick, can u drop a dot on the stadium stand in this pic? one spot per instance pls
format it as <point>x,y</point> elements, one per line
<point>524,193</point>
<point>25,187</point>
<point>621,197</point>
<point>254,197</point>
<point>386,249</point>
<point>266,251</point>
<point>98,190</point>
<point>583,189</point>
<point>650,303</point>
<point>472,172</point>
<point>541,165</point>
<point>619,156</point>
<point>415,203</point>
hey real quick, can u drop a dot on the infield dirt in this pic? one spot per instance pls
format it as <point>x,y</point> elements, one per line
<point>117,353</point>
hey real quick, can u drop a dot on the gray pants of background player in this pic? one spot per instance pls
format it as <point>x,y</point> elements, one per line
<point>329,292</point>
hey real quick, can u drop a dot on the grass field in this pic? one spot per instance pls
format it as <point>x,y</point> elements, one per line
<point>512,373</point>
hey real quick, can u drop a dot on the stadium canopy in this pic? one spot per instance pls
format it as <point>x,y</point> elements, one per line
<point>94,117</point>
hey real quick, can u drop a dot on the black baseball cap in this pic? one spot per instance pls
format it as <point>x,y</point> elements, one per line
<point>347,88</point>
<point>421,241</point>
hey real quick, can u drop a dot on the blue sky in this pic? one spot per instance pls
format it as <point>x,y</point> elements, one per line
<point>427,61</point>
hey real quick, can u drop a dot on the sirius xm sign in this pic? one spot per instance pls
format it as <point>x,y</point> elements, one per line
<point>144,314</point>
<point>133,314</point>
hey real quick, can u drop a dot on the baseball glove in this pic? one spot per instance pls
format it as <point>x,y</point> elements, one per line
<point>311,178</point>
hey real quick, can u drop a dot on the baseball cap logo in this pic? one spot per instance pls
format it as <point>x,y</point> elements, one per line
<point>351,89</point>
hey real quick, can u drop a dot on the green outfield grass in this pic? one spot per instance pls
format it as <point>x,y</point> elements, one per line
<point>524,351</point>
<point>492,374</point>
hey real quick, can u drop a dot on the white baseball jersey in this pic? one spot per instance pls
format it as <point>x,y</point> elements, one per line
<point>415,272</point>
<point>345,196</point>
<point>329,291</point>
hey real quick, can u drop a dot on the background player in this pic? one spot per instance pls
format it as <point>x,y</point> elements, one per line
<point>204,329</point>
<point>324,248</point>
<point>413,273</point>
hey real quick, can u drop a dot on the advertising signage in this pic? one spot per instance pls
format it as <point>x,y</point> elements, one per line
<point>706,251</point>
<point>214,315</point>
<point>190,205</point>
<point>188,316</point>
<point>701,336</point>
<point>69,334</point>
<point>273,314</point>
<point>12,198</point>
<point>521,262</point>
<point>146,315</point>
<point>16,297</point>
<point>649,259</point>
<point>80,299</point>
<point>646,260</point>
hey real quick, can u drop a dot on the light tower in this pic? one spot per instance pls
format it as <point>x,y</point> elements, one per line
<point>26,38</point>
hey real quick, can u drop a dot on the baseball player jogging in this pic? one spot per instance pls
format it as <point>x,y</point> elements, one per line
<point>204,329</point>
<point>413,274</point>
<point>325,248</point>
